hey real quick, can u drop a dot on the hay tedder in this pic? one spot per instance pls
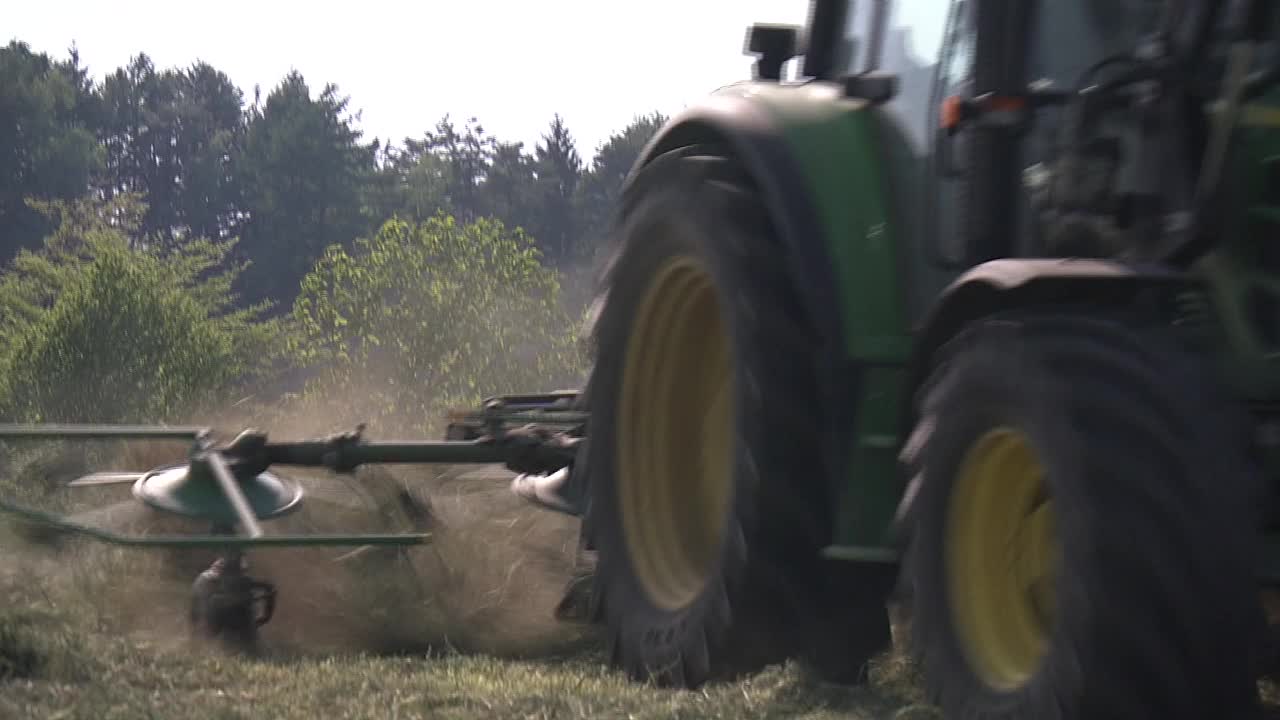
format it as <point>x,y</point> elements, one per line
<point>969,304</point>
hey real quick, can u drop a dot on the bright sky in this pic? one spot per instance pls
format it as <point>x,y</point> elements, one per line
<point>512,64</point>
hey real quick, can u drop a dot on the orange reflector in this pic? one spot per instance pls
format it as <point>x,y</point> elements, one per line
<point>952,112</point>
<point>1004,103</point>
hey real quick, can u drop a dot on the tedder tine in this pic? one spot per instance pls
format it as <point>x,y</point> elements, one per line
<point>105,478</point>
<point>230,488</point>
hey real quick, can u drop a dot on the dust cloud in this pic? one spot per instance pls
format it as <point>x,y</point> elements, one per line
<point>487,582</point>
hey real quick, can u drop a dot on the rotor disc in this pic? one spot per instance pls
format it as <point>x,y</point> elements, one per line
<point>176,490</point>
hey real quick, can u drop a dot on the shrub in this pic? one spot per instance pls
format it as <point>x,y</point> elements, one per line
<point>432,315</point>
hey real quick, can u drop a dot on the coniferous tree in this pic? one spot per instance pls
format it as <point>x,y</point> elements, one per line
<point>559,169</point>
<point>601,184</point>
<point>47,149</point>
<point>303,168</point>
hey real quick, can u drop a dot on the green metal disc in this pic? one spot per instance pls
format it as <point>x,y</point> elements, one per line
<point>196,495</point>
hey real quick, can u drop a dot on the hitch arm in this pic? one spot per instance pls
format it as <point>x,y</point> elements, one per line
<point>345,456</point>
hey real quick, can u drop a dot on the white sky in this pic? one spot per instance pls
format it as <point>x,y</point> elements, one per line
<point>511,63</point>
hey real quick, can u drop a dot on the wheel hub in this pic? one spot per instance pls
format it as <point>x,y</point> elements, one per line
<point>675,434</point>
<point>1001,554</point>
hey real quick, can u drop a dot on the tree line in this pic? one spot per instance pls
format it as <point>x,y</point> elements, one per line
<point>169,248</point>
<point>286,176</point>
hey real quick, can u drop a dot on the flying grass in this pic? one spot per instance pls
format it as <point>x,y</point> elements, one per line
<point>458,629</point>
<point>136,679</point>
<point>66,658</point>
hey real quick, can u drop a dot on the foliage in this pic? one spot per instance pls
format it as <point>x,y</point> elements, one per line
<point>46,149</point>
<point>462,160</point>
<point>163,199</point>
<point>97,330</point>
<point>558,169</point>
<point>288,174</point>
<point>430,315</point>
<point>303,168</point>
<point>601,184</point>
<point>173,136</point>
<point>549,193</point>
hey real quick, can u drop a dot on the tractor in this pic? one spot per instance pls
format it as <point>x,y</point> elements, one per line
<point>962,304</point>
<point>972,307</point>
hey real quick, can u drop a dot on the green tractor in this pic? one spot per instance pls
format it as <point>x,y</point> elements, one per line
<point>979,309</point>
<point>976,311</point>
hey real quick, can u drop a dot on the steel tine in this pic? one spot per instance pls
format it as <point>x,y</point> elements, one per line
<point>105,478</point>
<point>231,488</point>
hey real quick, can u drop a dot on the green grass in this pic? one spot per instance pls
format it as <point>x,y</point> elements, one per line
<point>460,629</point>
<point>73,647</point>
<point>131,679</point>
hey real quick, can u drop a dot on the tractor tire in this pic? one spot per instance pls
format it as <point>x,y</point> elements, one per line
<point>1096,455</point>
<point>707,506</point>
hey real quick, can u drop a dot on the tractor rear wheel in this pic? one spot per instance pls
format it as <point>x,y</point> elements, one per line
<point>1083,537</point>
<point>706,506</point>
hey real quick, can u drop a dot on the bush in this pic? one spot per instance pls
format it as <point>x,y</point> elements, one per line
<point>97,328</point>
<point>432,315</point>
<point>120,345</point>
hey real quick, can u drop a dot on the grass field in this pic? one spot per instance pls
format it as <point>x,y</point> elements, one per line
<point>459,629</point>
<point>103,677</point>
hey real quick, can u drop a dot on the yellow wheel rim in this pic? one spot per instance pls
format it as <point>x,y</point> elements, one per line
<point>1001,553</point>
<point>675,418</point>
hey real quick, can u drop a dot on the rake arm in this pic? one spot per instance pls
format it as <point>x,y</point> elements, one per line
<point>532,448</point>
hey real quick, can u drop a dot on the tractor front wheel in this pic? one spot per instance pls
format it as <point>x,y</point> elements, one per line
<point>1083,534</point>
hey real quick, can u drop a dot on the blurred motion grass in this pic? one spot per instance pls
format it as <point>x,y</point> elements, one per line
<point>95,632</point>
<point>461,628</point>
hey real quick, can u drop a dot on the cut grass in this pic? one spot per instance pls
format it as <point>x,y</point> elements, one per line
<point>459,629</point>
<point>68,657</point>
<point>135,680</point>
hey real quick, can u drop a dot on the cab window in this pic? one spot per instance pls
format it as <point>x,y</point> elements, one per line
<point>909,36</point>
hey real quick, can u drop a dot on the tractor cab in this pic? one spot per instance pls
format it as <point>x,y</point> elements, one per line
<point>975,184</point>
<point>965,192</point>
<point>987,157</point>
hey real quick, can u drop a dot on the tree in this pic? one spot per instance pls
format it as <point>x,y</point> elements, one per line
<point>97,330</point>
<point>47,151</point>
<point>601,184</point>
<point>462,172</point>
<point>210,113</point>
<point>304,169</point>
<point>559,169</point>
<point>427,316</point>
<point>464,158</point>
<point>173,136</point>
<point>510,186</point>
<point>410,184</point>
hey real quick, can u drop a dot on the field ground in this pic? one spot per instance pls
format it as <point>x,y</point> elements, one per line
<point>458,629</point>
<point>130,678</point>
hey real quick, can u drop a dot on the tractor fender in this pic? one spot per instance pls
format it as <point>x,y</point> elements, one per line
<point>734,121</point>
<point>999,286</point>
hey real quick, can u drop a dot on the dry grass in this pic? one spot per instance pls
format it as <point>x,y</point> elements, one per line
<point>459,629</point>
